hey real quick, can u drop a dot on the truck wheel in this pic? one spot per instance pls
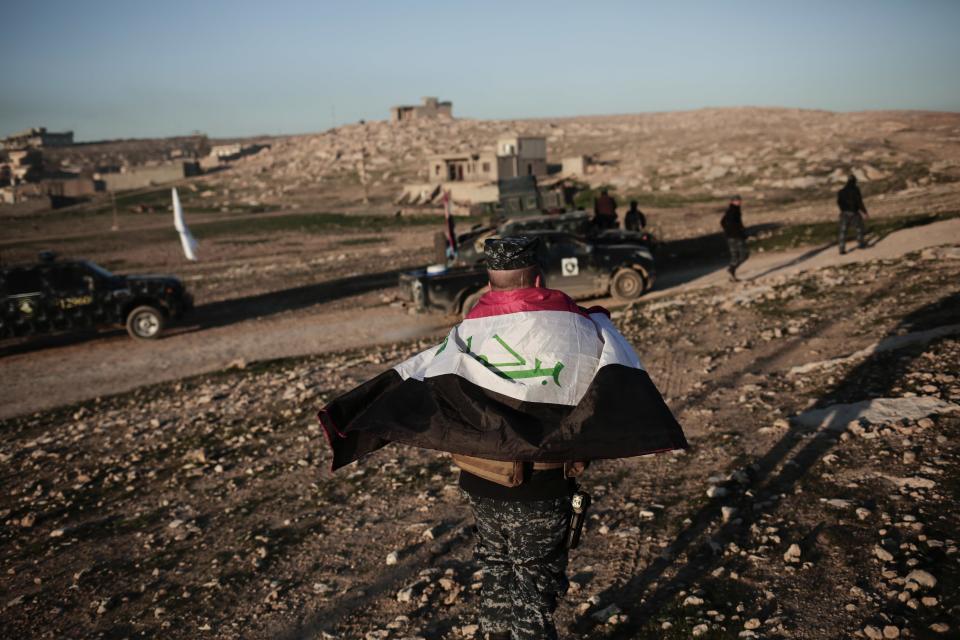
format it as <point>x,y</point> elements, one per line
<point>145,323</point>
<point>627,284</point>
<point>470,302</point>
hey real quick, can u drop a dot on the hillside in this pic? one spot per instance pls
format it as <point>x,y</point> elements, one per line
<point>662,159</point>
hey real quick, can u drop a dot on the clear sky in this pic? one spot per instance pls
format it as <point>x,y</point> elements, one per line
<point>110,69</point>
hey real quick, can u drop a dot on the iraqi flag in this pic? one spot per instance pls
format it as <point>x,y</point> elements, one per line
<point>528,375</point>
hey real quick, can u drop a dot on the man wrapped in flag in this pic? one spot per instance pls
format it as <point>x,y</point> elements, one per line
<point>525,391</point>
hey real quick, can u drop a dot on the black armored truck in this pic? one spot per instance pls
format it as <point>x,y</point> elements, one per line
<point>576,257</point>
<point>66,295</point>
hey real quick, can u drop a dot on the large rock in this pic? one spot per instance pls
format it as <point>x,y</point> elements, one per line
<point>877,411</point>
<point>887,344</point>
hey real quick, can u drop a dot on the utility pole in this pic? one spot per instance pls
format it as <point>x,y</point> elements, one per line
<point>363,167</point>
<point>116,224</point>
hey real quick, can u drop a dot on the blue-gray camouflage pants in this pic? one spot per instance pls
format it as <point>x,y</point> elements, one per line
<point>846,218</point>
<point>521,549</point>
<point>738,252</point>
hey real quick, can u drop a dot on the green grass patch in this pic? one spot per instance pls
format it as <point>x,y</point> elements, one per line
<point>668,200</point>
<point>159,199</point>
<point>310,223</point>
<point>587,194</point>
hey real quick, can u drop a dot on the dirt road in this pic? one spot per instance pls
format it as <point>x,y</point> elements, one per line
<point>62,373</point>
<point>765,267</point>
<point>66,371</point>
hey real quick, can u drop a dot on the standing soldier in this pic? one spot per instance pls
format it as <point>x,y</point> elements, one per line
<point>527,387</point>
<point>736,234</point>
<point>852,209</point>
<point>634,220</point>
<point>605,211</point>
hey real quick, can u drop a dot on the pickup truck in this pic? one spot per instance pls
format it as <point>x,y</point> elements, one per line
<point>65,295</point>
<point>618,263</point>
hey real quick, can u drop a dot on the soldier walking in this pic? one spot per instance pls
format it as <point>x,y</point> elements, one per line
<point>736,234</point>
<point>852,210</point>
<point>634,220</point>
<point>521,529</point>
<point>521,393</point>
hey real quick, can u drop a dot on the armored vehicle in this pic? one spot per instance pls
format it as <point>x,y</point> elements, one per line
<point>575,258</point>
<point>62,295</point>
<point>575,223</point>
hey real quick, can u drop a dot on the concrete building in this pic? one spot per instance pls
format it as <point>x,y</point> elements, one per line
<point>78,187</point>
<point>575,166</point>
<point>139,177</point>
<point>463,167</point>
<point>229,152</point>
<point>514,157</point>
<point>431,108</point>
<point>486,176</point>
<point>37,138</point>
<point>23,165</point>
<point>521,156</point>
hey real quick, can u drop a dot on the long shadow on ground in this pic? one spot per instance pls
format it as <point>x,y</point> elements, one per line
<point>227,312</point>
<point>646,593</point>
<point>329,618</point>
<point>685,260</point>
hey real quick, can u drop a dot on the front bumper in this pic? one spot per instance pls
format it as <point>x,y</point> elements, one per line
<point>412,289</point>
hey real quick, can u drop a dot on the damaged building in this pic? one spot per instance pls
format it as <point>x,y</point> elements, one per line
<point>37,138</point>
<point>22,165</point>
<point>431,108</point>
<point>223,153</point>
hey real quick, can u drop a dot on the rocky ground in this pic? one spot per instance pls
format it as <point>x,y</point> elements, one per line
<point>204,507</point>
<point>662,159</point>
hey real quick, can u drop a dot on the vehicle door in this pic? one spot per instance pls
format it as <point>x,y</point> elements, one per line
<point>568,264</point>
<point>25,304</point>
<point>73,286</point>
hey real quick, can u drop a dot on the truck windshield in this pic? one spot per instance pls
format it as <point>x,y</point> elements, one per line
<point>100,271</point>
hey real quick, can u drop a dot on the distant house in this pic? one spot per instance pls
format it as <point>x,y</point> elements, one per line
<point>514,156</point>
<point>482,176</point>
<point>521,156</point>
<point>463,167</point>
<point>147,176</point>
<point>431,108</point>
<point>230,152</point>
<point>37,138</point>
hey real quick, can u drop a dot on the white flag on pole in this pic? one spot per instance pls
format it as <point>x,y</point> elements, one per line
<point>186,238</point>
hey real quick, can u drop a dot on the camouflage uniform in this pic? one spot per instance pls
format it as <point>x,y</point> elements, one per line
<point>521,549</point>
<point>852,210</point>
<point>846,219</point>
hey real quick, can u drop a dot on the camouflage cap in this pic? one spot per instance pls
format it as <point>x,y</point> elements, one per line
<point>512,252</point>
